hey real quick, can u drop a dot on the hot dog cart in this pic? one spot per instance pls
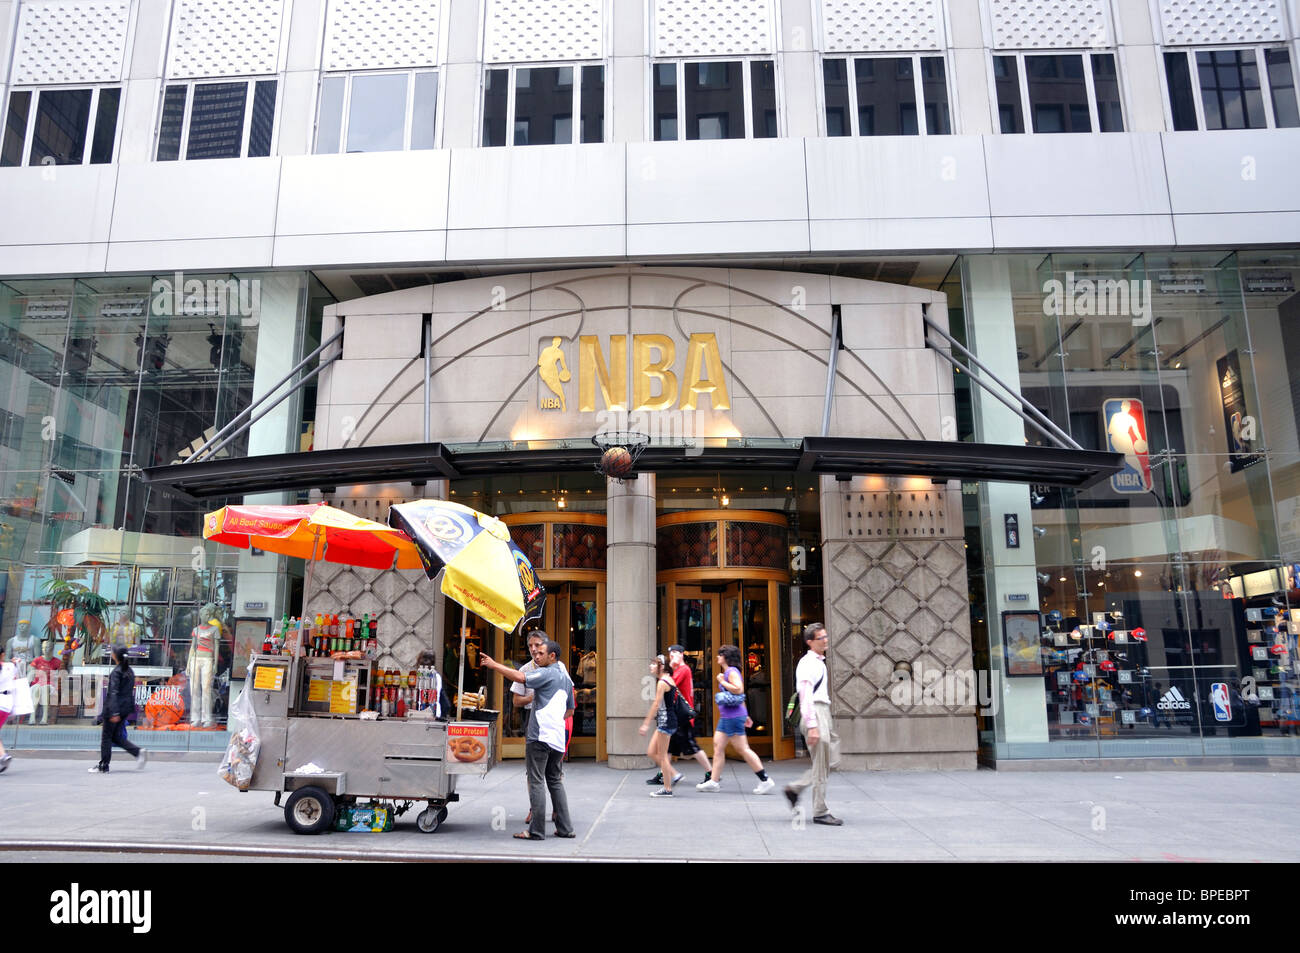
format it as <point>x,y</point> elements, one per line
<point>322,751</point>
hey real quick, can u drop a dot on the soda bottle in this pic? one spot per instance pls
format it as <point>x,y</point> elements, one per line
<point>350,628</point>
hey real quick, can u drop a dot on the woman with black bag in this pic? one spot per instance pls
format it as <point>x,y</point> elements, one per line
<point>119,702</point>
<point>663,712</point>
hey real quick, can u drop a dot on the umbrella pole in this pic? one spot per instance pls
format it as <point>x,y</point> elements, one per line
<point>306,593</point>
<point>460,679</point>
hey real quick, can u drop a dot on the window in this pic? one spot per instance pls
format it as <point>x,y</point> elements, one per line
<point>715,99</point>
<point>1060,92</point>
<point>215,121</point>
<point>377,112</point>
<point>1250,88</point>
<point>61,126</point>
<point>537,104</point>
<point>882,98</point>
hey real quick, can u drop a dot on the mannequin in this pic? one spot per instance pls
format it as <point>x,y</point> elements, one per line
<point>43,669</point>
<point>22,648</point>
<point>124,632</point>
<point>205,639</point>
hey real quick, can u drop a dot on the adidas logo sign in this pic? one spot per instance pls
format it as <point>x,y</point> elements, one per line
<point>1173,700</point>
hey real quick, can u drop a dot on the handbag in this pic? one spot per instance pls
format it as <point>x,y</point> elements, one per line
<point>793,712</point>
<point>685,713</point>
<point>729,698</point>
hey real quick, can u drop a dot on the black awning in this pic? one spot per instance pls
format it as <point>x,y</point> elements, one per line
<point>842,456</point>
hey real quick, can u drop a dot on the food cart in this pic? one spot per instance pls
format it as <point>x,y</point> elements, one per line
<point>313,729</point>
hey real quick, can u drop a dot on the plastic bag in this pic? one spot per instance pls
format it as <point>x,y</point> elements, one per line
<point>245,743</point>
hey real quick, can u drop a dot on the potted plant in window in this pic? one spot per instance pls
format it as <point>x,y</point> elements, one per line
<point>76,614</point>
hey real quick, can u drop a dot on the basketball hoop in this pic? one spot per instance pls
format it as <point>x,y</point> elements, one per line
<point>620,449</point>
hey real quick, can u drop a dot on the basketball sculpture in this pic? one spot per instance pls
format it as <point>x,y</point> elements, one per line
<point>619,451</point>
<point>616,462</point>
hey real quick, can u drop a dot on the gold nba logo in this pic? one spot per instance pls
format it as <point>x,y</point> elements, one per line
<point>554,371</point>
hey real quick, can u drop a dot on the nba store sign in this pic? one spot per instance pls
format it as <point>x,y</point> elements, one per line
<point>1126,433</point>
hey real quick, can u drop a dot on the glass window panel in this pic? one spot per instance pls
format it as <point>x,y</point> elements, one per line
<point>1230,90</point>
<point>1058,95</point>
<point>886,97</point>
<point>665,101</point>
<point>934,87</point>
<point>1006,79</point>
<point>715,101</point>
<point>259,134</point>
<point>424,110</point>
<point>835,79</point>
<point>217,121</point>
<point>1110,116</point>
<point>377,113</point>
<point>169,132</point>
<point>329,125</point>
<point>593,104</point>
<point>101,146</point>
<point>15,128</point>
<point>1181,104</point>
<point>543,106</point>
<point>762,89</point>
<point>495,95</point>
<point>1281,84</point>
<point>62,118</point>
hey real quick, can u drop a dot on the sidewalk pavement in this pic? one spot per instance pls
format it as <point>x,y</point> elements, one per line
<point>888,816</point>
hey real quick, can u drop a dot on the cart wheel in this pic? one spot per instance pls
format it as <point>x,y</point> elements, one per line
<point>309,810</point>
<point>429,819</point>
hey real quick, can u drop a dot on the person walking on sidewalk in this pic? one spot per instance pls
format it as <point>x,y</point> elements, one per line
<point>8,673</point>
<point>118,704</point>
<point>663,712</point>
<point>732,719</point>
<point>819,732</point>
<point>553,702</point>
<point>682,744</point>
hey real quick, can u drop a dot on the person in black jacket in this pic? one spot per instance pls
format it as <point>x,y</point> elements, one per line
<point>119,702</point>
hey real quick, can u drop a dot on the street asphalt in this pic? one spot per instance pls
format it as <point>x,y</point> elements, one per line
<point>55,809</point>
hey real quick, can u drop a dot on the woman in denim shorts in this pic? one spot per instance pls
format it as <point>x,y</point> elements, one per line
<point>663,712</point>
<point>731,725</point>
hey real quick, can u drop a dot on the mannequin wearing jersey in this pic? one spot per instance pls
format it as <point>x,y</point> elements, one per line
<point>23,647</point>
<point>204,641</point>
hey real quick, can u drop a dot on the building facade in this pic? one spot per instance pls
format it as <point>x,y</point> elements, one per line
<point>772,222</point>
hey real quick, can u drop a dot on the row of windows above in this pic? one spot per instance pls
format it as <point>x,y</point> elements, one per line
<point>736,99</point>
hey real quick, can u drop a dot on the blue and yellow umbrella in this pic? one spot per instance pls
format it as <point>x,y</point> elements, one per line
<point>482,568</point>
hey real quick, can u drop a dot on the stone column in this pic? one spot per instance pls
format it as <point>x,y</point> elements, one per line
<point>629,616</point>
<point>896,602</point>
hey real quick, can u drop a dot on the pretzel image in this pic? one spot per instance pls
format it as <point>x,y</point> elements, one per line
<point>466,749</point>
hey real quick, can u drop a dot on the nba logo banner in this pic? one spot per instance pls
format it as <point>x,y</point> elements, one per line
<point>1126,433</point>
<point>1220,701</point>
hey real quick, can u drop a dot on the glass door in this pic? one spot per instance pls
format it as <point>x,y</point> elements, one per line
<point>695,626</point>
<point>580,640</point>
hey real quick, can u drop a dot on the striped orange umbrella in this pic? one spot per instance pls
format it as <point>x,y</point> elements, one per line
<point>312,531</point>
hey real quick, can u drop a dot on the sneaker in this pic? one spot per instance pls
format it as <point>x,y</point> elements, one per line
<point>765,787</point>
<point>679,779</point>
<point>662,792</point>
<point>708,786</point>
<point>657,779</point>
<point>792,796</point>
<point>98,769</point>
<point>829,820</point>
<point>142,760</point>
<point>4,762</point>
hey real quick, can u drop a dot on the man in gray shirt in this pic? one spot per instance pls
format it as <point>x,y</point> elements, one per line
<point>553,702</point>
